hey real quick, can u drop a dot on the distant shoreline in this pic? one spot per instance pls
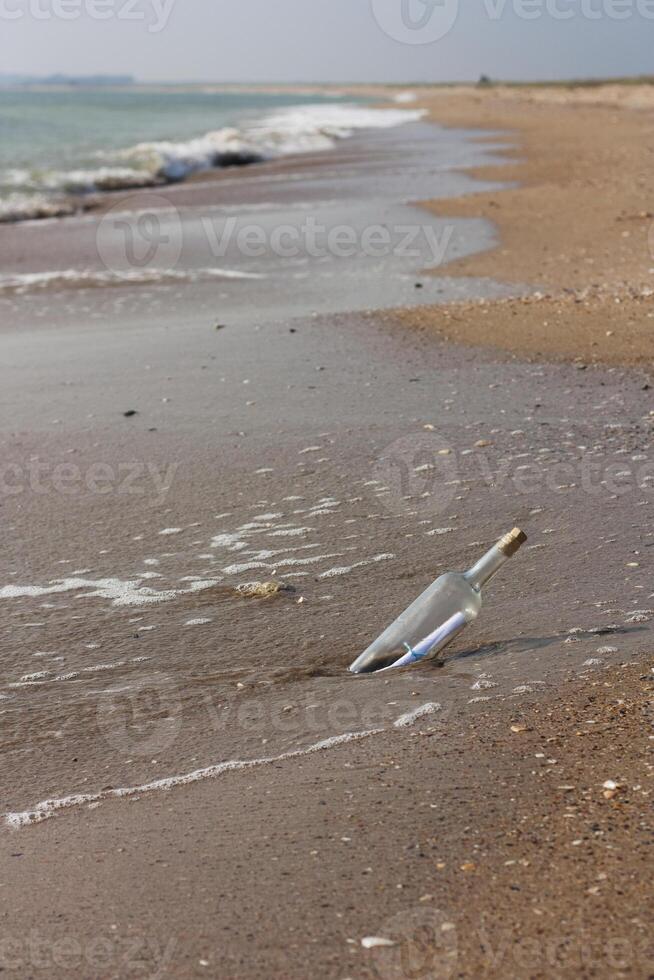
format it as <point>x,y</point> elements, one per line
<point>97,82</point>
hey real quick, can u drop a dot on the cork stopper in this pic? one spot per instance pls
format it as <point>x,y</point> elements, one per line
<point>512,541</point>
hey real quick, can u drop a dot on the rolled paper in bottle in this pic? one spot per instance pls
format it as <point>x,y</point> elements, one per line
<point>439,638</point>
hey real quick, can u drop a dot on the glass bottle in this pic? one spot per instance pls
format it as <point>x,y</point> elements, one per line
<point>439,614</point>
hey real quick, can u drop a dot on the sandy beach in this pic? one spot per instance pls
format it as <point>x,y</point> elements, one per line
<point>186,761</point>
<point>577,227</point>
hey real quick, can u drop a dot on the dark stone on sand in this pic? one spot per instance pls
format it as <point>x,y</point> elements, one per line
<point>130,412</point>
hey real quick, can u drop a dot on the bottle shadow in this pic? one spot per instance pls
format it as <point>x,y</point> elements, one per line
<point>527,644</point>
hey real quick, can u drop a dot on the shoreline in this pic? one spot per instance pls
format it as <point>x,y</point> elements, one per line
<point>242,136</point>
<point>567,149</point>
<point>583,153</point>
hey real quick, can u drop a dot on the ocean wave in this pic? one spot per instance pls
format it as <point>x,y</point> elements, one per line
<point>38,193</point>
<point>22,207</point>
<point>103,179</point>
<point>167,161</point>
<point>303,129</point>
<point>69,278</point>
<point>82,181</point>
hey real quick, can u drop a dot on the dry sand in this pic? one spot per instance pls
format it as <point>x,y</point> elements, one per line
<point>578,228</point>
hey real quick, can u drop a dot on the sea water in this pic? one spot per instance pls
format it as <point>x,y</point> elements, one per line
<point>56,145</point>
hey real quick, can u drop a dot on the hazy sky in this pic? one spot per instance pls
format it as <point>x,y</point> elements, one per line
<point>330,40</point>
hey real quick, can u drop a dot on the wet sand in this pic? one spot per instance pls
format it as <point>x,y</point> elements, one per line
<point>479,836</point>
<point>485,847</point>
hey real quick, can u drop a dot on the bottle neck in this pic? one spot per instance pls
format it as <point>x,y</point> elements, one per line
<point>485,568</point>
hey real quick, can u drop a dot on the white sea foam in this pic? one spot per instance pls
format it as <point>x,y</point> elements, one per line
<point>291,532</point>
<point>232,542</point>
<point>119,592</point>
<point>405,97</point>
<point>48,808</point>
<point>78,181</point>
<point>411,717</point>
<point>19,283</point>
<point>249,566</point>
<point>346,569</point>
<point>40,193</point>
<point>300,129</point>
<point>23,207</point>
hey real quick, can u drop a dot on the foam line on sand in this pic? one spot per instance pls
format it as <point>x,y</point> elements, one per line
<point>48,808</point>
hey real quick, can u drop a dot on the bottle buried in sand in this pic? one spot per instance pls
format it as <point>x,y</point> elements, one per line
<point>439,614</point>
